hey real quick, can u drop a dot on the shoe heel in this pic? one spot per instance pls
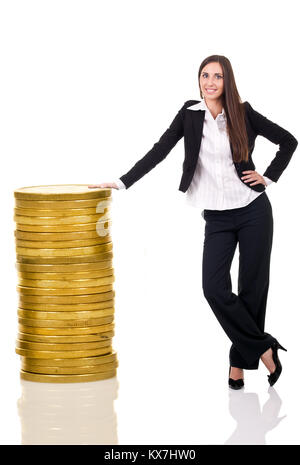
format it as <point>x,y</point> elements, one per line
<point>280,347</point>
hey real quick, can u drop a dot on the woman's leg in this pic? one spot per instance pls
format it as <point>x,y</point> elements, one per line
<point>239,323</point>
<point>255,236</point>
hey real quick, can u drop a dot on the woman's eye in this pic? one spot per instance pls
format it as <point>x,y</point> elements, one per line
<point>218,76</point>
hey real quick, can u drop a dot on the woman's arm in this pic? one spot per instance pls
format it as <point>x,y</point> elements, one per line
<point>276,134</point>
<point>158,152</point>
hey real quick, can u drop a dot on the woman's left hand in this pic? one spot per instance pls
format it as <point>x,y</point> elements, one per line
<point>253,176</point>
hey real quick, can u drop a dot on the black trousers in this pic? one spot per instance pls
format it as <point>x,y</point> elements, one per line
<point>241,316</point>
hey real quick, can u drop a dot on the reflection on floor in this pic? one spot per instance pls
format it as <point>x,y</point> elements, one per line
<point>252,421</point>
<point>73,413</point>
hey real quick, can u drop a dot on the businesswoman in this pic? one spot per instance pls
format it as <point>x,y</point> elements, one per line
<point>219,176</point>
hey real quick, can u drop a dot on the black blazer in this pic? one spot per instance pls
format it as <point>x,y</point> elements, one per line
<point>189,124</point>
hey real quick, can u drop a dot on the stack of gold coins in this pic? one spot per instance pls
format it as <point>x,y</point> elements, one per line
<point>65,283</point>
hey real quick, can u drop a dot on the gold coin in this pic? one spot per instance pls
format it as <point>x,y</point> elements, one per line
<point>65,323</point>
<point>32,212</point>
<point>50,331</point>
<point>53,220</point>
<point>105,367</point>
<point>67,299</point>
<point>60,244</point>
<point>74,346</point>
<point>95,249</point>
<point>66,315</point>
<point>61,260</point>
<point>67,308</point>
<point>68,267</point>
<point>96,227</point>
<point>61,192</point>
<point>71,370</point>
<point>100,207</point>
<point>33,291</point>
<point>59,204</point>
<point>67,283</point>
<point>72,362</point>
<point>67,378</point>
<point>62,254</point>
<point>67,276</point>
<point>66,339</point>
<point>72,283</point>
<point>102,228</point>
<point>63,354</point>
<point>60,228</point>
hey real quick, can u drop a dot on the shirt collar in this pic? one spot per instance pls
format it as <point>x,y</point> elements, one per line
<point>202,106</point>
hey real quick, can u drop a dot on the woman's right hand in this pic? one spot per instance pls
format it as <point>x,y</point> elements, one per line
<point>105,184</point>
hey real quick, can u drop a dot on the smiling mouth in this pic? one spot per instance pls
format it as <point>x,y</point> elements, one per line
<point>211,90</point>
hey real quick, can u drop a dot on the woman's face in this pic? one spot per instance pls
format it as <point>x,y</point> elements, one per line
<point>212,81</point>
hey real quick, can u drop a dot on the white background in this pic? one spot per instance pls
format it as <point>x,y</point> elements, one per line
<point>87,87</point>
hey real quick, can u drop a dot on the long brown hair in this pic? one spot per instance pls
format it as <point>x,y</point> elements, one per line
<point>233,107</point>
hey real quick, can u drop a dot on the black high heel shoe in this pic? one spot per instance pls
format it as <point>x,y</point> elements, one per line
<point>235,383</point>
<point>273,377</point>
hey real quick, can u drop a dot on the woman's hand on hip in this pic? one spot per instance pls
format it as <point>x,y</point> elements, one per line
<point>253,176</point>
<point>104,184</point>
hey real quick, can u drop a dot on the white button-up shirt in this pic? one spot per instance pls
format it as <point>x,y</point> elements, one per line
<point>215,184</point>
